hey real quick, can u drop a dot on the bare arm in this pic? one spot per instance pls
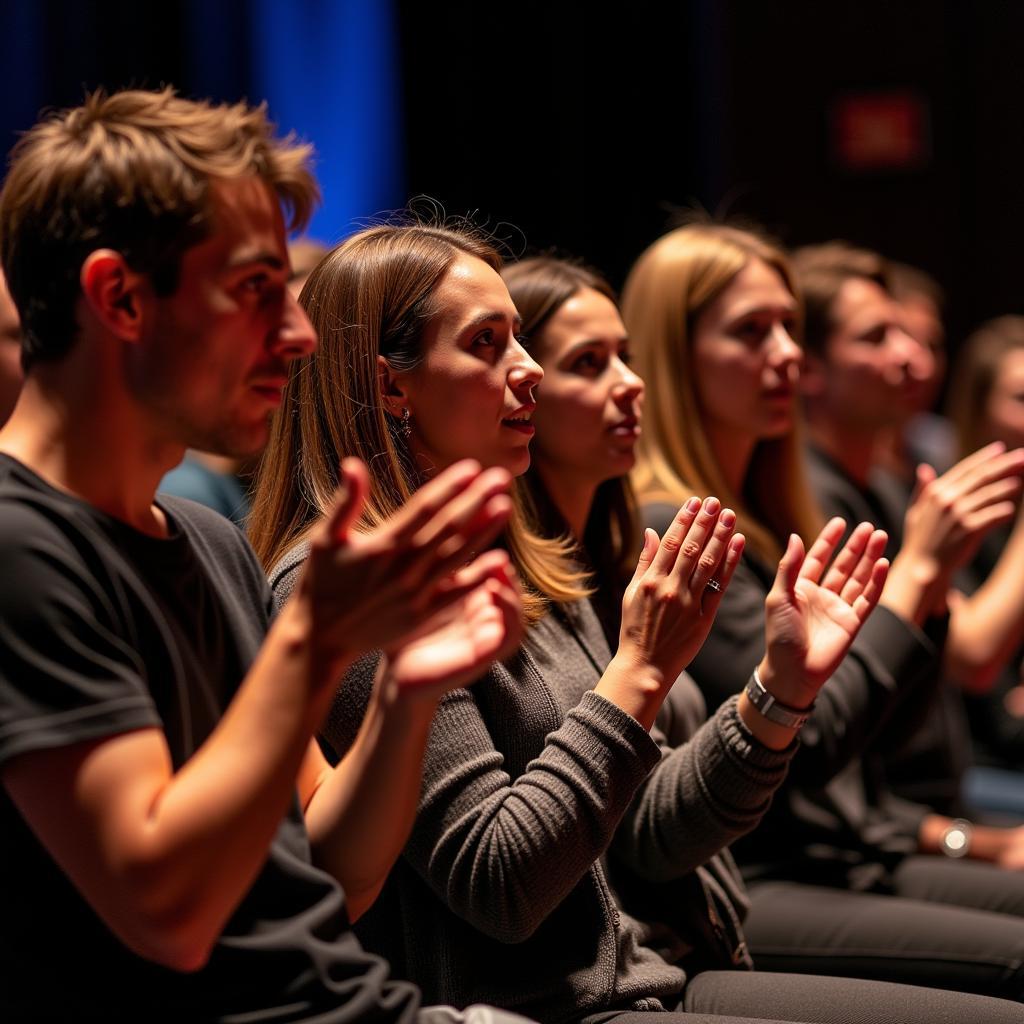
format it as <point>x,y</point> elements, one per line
<point>987,628</point>
<point>165,856</point>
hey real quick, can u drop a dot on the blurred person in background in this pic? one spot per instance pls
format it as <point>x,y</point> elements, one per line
<point>986,403</point>
<point>11,374</point>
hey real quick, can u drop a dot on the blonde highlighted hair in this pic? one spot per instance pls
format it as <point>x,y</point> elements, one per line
<point>374,295</point>
<point>670,285</point>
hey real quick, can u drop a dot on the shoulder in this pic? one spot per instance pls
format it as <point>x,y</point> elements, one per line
<point>285,573</point>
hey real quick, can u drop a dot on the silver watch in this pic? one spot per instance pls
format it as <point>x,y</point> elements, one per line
<point>767,705</point>
<point>956,840</point>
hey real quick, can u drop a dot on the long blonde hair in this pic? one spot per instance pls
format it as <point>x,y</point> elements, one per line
<point>373,295</point>
<point>672,282</point>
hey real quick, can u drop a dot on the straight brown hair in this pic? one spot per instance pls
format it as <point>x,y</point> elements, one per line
<point>374,295</point>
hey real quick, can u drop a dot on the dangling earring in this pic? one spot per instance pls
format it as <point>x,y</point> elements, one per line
<point>406,427</point>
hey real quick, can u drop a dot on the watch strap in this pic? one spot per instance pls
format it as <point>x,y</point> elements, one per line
<point>773,710</point>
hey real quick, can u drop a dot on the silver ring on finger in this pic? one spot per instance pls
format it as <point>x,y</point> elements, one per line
<point>713,585</point>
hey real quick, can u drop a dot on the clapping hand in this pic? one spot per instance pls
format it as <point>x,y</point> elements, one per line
<point>375,590</point>
<point>812,616</point>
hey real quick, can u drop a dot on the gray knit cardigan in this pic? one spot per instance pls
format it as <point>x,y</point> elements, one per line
<point>534,789</point>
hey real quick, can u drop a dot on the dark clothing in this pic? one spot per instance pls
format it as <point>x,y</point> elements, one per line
<point>833,822</point>
<point>105,630</point>
<point>924,759</point>
<point>223,492</point>
<point>508,764</point>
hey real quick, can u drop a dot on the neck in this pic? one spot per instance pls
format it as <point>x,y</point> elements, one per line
<point>850,446</point>
<point>572,497</point>
<point>732,454</point>
<point>82,439</point>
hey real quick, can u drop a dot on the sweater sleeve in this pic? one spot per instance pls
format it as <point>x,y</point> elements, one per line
<point>484,827</point>
<point>884,665</point>
<point>703,795</point>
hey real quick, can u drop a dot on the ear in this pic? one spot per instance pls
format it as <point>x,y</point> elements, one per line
<point>392,388</point>
<point>112,293</point>
<point>812,376</point>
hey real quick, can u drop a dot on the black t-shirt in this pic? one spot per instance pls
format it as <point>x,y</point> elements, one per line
<point>103,630</point>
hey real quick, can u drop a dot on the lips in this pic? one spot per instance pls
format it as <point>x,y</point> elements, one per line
<point>626,428</point>
<point>520,420</point>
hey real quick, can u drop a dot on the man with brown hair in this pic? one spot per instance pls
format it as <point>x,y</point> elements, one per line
<point>861,370</point>
<point>173,841</point>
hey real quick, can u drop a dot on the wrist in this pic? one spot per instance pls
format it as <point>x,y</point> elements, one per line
<point>771,707</point>
<point>794,694</point>
<point>294,631</point>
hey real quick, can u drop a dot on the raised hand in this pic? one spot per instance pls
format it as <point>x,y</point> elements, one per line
<point>371,590</point>
<point>455,647</point>
<point>950,514</point>
<point>669,605</point>
<point>812,616</point>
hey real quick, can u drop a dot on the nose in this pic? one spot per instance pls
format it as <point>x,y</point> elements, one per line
<point>525,373</point>
<point>629,387</point>
<point>916,358</point>
<point>295,336</point>
<point>783,351</point>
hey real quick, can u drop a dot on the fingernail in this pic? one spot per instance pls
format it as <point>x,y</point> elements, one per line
<point>728,517</point>
<point>693,504</point>
<point>711,505</point>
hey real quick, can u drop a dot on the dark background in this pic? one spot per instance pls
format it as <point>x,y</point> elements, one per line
<point>557,126</point>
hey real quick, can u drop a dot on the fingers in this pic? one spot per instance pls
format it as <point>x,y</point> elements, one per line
<point>923,476</point>
<point>714,551</point>
<point>862,574</point>
<point>694,542</point>
<point>711,599</point>
<point>822,548</point>
<point>665,557</point>
<point>789,566</point>
<point>864,604</point>
<point>848,559</point>
<point>989,494</point>
<point>353,487</point>
<point>983,467</point>
<point>432,498</point>
<point>468,521</point>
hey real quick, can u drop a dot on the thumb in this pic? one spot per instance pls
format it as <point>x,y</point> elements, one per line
<point>349,499</point>
<point>647,552</point>
<point>923,476</point>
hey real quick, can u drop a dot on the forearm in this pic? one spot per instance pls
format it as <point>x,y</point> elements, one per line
<point>986,628</point>
<point>710,791</point>
<point>359,814</point>
<point>533,837</point>
<point>178,851</point>
<point>987,843</point>
<point>915,588</point>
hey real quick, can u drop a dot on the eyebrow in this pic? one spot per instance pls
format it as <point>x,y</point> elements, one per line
<point>586,343</point>
<point>489,318</point>
<point>247,260</point>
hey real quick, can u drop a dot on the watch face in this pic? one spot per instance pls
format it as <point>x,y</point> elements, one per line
<point>955,841</point>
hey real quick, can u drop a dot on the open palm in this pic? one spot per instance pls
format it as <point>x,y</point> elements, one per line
<point>811,621</point>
